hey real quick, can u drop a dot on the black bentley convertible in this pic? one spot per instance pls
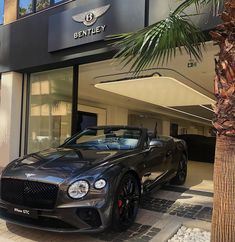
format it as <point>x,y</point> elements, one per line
<point>93,181</point>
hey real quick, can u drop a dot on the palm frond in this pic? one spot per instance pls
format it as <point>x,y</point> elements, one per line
<point>215,4</point>
<point>187,3</point>
<point>158,43</point>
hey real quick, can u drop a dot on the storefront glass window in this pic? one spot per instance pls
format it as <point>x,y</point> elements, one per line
<point>50,108</point>
<point>31,6</point>
<point>25,7</point>
<point>1,11</point>
<point>58,1</point>
<point>42,4</point>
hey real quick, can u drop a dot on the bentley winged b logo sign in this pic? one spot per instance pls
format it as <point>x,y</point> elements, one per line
<point>89,18</point>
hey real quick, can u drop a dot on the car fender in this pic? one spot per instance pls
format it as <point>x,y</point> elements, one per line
<point>121,172</point>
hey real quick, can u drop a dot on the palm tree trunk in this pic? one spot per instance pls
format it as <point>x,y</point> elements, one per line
<point>223,221</point>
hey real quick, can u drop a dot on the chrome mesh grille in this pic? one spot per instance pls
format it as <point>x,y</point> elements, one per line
<point>29,193</point>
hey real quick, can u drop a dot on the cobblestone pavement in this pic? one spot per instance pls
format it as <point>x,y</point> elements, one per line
<point>176,208</point>
<point>161,214</point>
<point>137,232</point>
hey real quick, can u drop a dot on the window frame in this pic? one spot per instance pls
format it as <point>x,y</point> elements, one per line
<point>35,3</point>
<point>34,7</point>
<point>18,9</point>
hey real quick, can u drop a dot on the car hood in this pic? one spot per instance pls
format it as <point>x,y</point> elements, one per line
<point>56,165</point>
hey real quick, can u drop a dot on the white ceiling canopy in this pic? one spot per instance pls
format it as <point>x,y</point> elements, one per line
<point>163,91</point>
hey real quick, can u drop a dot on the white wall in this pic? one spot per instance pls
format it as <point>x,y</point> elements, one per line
<point>163,124</point>
<point>107,115</point>
<point>166,126</point>
<point>10,113</point>
<point>139,120</point>
<point>149,122</point>
<point>117,116</point>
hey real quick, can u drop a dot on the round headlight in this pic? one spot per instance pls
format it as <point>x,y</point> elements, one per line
<point>78,189</point>
<point>99,184</point>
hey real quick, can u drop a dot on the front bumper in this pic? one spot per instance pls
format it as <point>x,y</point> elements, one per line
<point>82,218</point>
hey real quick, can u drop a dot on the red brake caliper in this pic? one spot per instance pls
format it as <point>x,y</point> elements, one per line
<point>120,203</point>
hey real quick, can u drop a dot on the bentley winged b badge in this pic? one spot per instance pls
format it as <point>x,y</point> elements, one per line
<point>89,18</point>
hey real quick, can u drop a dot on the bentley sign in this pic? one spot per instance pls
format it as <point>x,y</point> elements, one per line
<point>94,20</point>
<point>88,19</point>
<point>88,32</point>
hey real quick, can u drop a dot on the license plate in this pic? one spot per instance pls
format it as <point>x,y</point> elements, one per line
<point>23,212</point>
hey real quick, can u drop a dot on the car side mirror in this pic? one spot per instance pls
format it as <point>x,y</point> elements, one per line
<point>155,144</point>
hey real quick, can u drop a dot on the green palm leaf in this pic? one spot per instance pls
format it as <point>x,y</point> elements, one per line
<point>158,42</point>
<point>215,4</point>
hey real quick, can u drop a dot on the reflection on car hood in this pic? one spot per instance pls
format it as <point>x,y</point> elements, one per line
<point>56,165</point>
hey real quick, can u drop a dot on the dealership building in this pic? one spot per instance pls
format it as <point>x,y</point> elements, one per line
<point>57,74</point>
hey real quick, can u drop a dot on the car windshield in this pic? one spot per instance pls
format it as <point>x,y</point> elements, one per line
<point>106,139</point>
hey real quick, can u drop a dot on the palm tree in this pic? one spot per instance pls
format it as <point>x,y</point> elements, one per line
<point>156,44</point>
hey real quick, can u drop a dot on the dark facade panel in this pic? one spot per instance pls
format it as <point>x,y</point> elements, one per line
<point>24,43</point>
<point>159,9</point>
<point>92,22</point>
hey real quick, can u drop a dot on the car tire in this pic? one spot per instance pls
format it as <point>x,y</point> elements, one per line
<point>126,203</point>
<point>181,174</point>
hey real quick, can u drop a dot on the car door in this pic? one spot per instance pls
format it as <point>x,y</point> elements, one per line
<point>169,162</point>
<point>154,159</point>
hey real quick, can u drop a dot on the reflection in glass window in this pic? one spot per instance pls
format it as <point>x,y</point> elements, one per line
<point>50,108</point>
<point>1,11</point>
<point>58,1</point>
<point>32,6</point>
<point>42,4</point>
<point>25,7</point>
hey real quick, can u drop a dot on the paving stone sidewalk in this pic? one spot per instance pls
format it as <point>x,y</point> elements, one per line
<point>177,208</point>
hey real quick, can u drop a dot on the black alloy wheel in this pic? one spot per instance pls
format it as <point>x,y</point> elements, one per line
<point>126,203</point>
<point>181,174</point>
